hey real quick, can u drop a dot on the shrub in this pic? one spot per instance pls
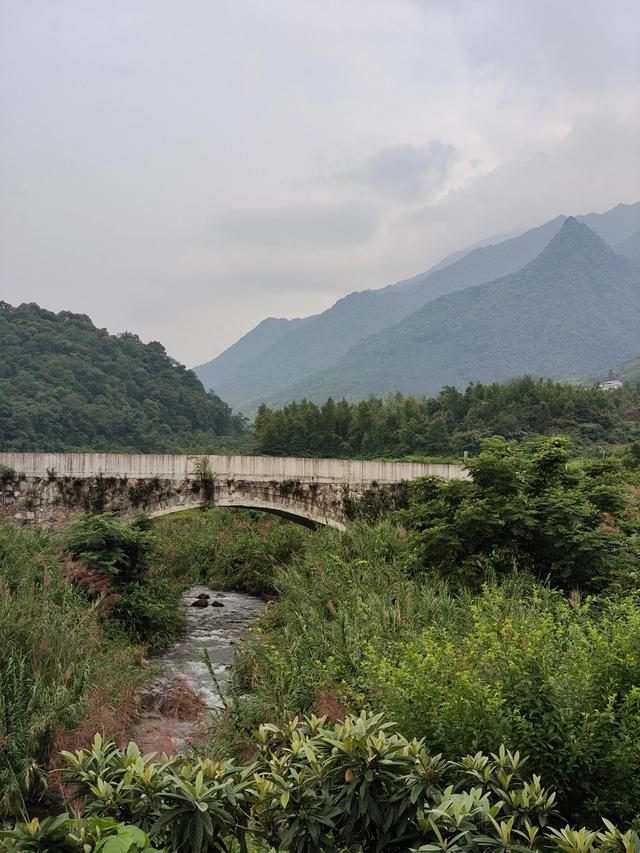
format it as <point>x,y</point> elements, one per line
<point>228,549</point>
<point>110,545</point>
<point>527,508</point>
<point>147,603</point>
<point>53,658</point>
<point>556,679</point>
<point>319,787</point>
<point>7,475</point>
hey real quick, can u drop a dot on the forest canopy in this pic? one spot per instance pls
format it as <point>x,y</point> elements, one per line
<point>452,422</point>
<point>67,385</point>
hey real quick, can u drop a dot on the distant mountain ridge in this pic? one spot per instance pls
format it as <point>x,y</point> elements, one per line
<point>252,345</point>
<point>258,368</point>
<point>572,311</point>
<point>630,247</point>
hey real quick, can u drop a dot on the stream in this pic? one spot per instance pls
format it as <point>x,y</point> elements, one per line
<point>175,704</point>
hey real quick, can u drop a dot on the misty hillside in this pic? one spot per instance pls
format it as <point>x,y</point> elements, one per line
<point>571,312</point>
<point>215,373</point>
<point>630,247</point>
<point>279,367</point>
<point>67,385</point>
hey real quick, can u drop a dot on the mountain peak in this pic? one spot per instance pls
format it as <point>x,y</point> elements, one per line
<point>577,240</point>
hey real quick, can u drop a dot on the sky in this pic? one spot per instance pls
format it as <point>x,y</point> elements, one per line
<point>185,168</point>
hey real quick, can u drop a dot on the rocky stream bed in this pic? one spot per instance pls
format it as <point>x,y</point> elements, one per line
<point>176,703</point>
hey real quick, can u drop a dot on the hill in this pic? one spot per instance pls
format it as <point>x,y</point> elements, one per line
<point>573,311</point>
<point>630,247</point>
<point>278,372</point>
<point>214,373</point>
<point>67,385</point>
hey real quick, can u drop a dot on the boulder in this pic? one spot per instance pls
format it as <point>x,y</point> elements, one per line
<point>216,603</point>
<point>200,602</point>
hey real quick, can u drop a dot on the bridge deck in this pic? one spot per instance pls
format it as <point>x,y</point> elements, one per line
<point>179,467</point>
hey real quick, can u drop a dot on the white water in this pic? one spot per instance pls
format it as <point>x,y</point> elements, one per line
<point>216,629</point>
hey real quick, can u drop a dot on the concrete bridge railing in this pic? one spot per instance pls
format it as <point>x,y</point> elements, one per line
<point>48,488</point>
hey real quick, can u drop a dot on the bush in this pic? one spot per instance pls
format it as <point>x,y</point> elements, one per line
<point>319,787</point>
<point>146,604</point>
<point>54,658</point>
<point>150,613</point>
<point>110,545</point>
<point>527,508</point>
<point>556,679</point>
<point>228,549</point>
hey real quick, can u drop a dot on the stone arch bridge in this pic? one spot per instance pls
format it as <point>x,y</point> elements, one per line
<point>48,488</point>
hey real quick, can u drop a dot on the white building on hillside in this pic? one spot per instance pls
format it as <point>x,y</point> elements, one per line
<point>610,385</point>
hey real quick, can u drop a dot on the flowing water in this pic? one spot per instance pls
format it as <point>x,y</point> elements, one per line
<point>176,702</point>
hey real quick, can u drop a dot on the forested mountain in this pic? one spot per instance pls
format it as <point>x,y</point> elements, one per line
<point>314,345</point>
<point>630,247</point>
<point>215,373</point>
<point>451,422</point>
<point>67,385</point>
<point>278,372</point>
<point>572,312</point>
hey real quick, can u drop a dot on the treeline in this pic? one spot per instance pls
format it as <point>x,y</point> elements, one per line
<point>67,385</point>
<point>451,423</point>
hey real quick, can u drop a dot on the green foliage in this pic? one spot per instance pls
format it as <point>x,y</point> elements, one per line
<point>147,604</point>
<point>110,545</point>
<point>53,659</point>
<point>554,677</point>
<point>452,422</point>
<point>149,612</point>
<point>7,475</point>
<point>63,834</point>
<point>525,508</point>
<point>227,549</point>
<point>66,385</point>
<point>318,787</point>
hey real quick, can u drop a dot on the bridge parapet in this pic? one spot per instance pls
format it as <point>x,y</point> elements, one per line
<point>49,487</point>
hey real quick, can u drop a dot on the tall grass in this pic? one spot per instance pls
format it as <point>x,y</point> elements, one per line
<point>54,658</point>
<point>227,549</point>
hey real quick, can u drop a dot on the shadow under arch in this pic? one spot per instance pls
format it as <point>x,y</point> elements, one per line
<point>301,517</point>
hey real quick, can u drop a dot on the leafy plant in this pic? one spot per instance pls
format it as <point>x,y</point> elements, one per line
<point>313,786</point>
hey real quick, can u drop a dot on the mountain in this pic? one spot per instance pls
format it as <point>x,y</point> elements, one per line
<point>67,385</point>
<point>630,247</point>
<point>301,351</point>
<point>279,371</point>
<point>616,224</point>
<point>252,345</point>
<point>316,344</point>
<point>572,311</point>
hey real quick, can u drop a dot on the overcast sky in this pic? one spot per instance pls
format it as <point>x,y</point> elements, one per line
<point>185,168</point>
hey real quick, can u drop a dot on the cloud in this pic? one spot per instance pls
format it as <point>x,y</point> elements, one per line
<point>185,169</point>
<point>304,225</point>
<point>405,173</point>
